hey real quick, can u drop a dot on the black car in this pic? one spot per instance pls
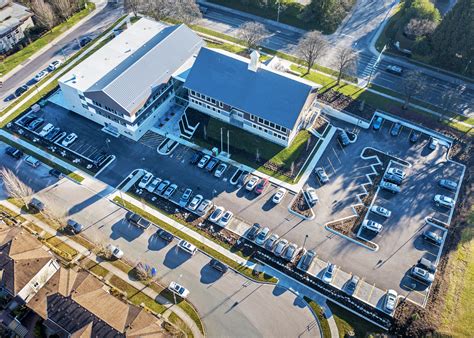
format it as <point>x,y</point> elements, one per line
<point>52,134</point>
<point>343,138</point>
<point>137,220</point>
<point>20,90</point>
<point>85,41</point>
<point>28,119</point>
<point>253,231</point>
<point>195,158</point>
<point>9,98</point>
<point>164,235</point>
<point>218,265</point>
<point>212,164</point>
<point>415,136</point>
<point>55,173</point>
<point>13,152</point>
<point>352,284</point>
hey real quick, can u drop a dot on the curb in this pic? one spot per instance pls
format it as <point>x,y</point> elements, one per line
<point>352,240</point>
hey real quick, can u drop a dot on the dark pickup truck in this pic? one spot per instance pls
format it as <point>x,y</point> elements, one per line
<point>137,220</point>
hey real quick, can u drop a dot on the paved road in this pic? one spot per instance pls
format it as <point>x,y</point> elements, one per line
<point>357,31</point>
<point>63,49</point>
<point>230,305</point>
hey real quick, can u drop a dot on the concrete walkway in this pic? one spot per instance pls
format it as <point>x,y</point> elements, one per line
<point>171,308</point>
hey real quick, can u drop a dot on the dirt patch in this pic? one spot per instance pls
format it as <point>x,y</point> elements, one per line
<point>320,125</point>
<point>301,206</point>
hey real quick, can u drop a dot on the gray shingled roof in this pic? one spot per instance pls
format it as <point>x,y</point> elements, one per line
<point>264,93</point>
<point>130,84</point>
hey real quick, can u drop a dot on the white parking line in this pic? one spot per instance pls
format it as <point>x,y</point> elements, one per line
<point>336,155</point>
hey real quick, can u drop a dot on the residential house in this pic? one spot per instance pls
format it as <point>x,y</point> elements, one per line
<point>14,20</point>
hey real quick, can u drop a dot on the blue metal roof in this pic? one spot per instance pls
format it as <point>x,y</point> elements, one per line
<point>263,93</point>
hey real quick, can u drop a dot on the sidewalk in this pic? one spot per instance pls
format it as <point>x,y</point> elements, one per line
<point>111,268</point>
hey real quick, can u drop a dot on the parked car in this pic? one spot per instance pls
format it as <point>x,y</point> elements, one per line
<point>203,161</point>
<point>253,232</point>
<point>195,202</point>
<point>307,259</point>
<point>444,201</point>
<point>36,204</point>
<point>69,140</point>
<point>32,161</point>
<point>280,247</point>
<point>396,129</point>
<point>56,173</point>
<point>433,143</point>
<point>137,220</point>
<point>38,77</point>
<point>290,252</point>
<point>54,65</point>
<point>21,90</point>
<point>321,173</point>
<point>415,136</point>
<point>393,178</point>
<point>52,134</point>
<point>170,191</point>
<point>432,237</point>
<point>187,247</point>
<point>13,152</point>
<point>162,187</point>
<point>46,129</point>
<point>115,251</point>
<point>393,188</point>
<point>183,201</point>
<point>261,186</point>
<point>372,226</point>
<point>212,164</point>
<point>26,120</point>
<point>73,227</point>
<point>422,275</point>
<point>270,242</point>
<point>262,236</point>
<point>329,273</point>
<point>251,183</point>
<point>221,267</point>
<point>390,300</point>
<point>377,123</point>
<point>397,172</point>
<point>221,168</point>
<point>195,157</point>
<point>394,70</point>
<point>448,184</point>
<point>226,219</point>
<point>217,214</point>
<point>352,284</point>
<point>311,196</point>
<point>146,179</point>
<point>427,265</point>
<point>204,207</point>
<point>178,289</point>
<point>153,185</point>
<point>35,124</point>
<point>343,138</point>
<point>279,195</point>
<point>380,211</point>
<point>84,41</point>
<point>164,235</point>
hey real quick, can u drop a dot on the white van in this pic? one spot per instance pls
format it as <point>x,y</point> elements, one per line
<point>32,161</point>
<point>187,247</point>
<point>46,129</point>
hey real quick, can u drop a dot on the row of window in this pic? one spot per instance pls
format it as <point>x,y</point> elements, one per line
<point>155,96</point>
<point>269,132</point>
<point>207,98</point>
<point>268,123</point>
<point>110,110</point>
<point>217,110</point>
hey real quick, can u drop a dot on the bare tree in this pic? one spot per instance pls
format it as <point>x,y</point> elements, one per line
<point>186,11</point>
<point>64,8</point>
<point>345,62</point>
<point>310,47</point>
<point>44,14</point>
<point>133,6</point>
<point>419,27</point>
<point>253,33</point>
<point>16,188</point>
<point>412,84</point>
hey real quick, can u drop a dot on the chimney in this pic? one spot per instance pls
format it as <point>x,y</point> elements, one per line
<point>254,61</point>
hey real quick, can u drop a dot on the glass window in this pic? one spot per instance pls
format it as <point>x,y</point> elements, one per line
<point>272,124</point>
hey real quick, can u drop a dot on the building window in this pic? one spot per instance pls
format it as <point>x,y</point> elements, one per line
<point>265,122</point>
<point>85,106</point>
<point>272,125</point>
<point>221,104</point>
<point>252,118</point>
<point>260,120</point>
<point>213,101</point>
<point>193,92</point>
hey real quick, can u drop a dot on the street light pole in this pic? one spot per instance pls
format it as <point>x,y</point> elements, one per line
<point>305,238</point>
<point>278,11</point>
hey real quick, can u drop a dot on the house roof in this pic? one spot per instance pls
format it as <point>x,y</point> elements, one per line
<point>12,15</point>
<point>79,304</point>
<point>266,93</point>
<point>22,256</point>
<point>135,62</point>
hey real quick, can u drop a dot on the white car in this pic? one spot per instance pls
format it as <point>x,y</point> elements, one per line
<point>280,247</point>
<point>69,140</point>
<point>321,173</point>
<point>116,252</point>
<point>372,226</point>
<point>40,75</point>
<point>311,196</point>
<point>329,273</point>
<point>221,168</point>
<point>397,172</point>
<point>217,214</point>
<point>187,247</point>
<point>390,300</point>
<point>54,65</point>
<point>178,289</point>
<point>202,163</point>
<point>278,197</point>
<point>195,202</point>
<point>381,211</point>
<point>444,201</point>
<point>146,179</point>
<point>153,185</point>
<point>251,183</point>
<point>46,129</point>
<point>262,236</point>
<point>226,219</point>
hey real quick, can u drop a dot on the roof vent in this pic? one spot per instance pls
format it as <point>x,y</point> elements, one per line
<point>254,61</point>
<point>128,50</point>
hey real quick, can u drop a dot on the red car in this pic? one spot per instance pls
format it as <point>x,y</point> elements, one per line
<point>261,186</point>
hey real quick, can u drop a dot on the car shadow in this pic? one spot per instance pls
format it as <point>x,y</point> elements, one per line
<point>175,257</point>
<point>209,275</point>
<point>269,205</point>
<point>123,229</point>
<point>299,302</point>
<point>156,243</point>
<point>278,290</point>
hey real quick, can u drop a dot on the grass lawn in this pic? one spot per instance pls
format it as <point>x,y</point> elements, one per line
<point>14,60</point>
<point>348,324</point>
<point>458,315</point>
<point>318,311</point>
